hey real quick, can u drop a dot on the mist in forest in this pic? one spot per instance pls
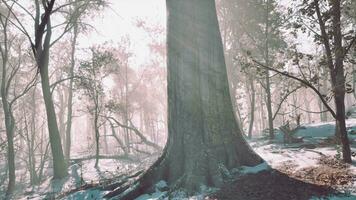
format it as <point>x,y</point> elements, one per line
<point>178,99</point>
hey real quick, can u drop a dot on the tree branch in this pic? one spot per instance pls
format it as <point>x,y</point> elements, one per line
<point>53,85</point>
<point>349,46</point>
<point>306,83</point>
<point>137,132</point>
<point>283,99</point>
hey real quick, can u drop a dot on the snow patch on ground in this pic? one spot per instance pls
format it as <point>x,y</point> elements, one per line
<point>161,187</point>
<point>159,194</point>
<point>350,197</point>
<point>154,196</point>
<point>316,131</point>
<point>79,174</point>
<point>300,156</point>
<point>277,153</point>
<point>255,169</point>
<point>88,194</point>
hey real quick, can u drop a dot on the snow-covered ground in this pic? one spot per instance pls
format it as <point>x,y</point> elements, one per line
<point>300,156</point>
<point>80,174</point>
<point>316,131</point>
<point>275,154</point>
<point>296,155</point>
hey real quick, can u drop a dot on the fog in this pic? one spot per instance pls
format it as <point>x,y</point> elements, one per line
<point>158,99</point>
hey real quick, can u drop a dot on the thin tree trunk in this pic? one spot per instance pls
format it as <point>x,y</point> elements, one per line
<point>9,119</point>
<point>252,107</point>
<point>126,114</point>
<point>36,179</point>
<point>307,107</point>
<point>97,136</point>
<point>121,143</point>
<point>262,110</point>
<point>68,141</point>
<point>10,125</point>
<point>106,144</point>
<point>354,81</point>
<point>268,84</point>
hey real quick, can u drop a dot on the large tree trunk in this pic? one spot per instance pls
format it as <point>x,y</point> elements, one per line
<point>339,86</point>
<point>203,132</point>
<point>201,120</point>
<point>335,62</point>
<point>59,166</point>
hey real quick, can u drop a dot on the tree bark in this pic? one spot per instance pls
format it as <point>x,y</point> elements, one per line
<point>203,132</point>
<point>339,86</point>
<point>9,125</point>
<point>31,138</point>
<point>262,110</point>
<point>68,141</point>
<point>268,81</point>
<point>201,120</point>
<point>61,113</point>
<point>59,166</point>
<point>8,115</point>
<point>335,59</point>
<point>97,135</point>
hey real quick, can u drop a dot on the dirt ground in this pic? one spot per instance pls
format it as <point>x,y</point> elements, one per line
<point>288,183</point>
<point>270,185</point>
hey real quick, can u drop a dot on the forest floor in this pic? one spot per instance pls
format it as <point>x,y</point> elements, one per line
<point>297,174</point>
<point>302,171</point>
<point>309,170</point>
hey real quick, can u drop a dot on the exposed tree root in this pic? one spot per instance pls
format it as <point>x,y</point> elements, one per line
<point>159,171</point>
<point>104,185</point>
<point>131,190</point>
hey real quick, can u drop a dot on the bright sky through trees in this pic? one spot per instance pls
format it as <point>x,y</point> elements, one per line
<point>119,21</point>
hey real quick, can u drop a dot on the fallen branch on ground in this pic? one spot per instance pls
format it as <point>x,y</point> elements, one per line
<point>120,157</point>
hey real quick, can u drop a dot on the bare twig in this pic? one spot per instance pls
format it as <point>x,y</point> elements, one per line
<point>306,83</point>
